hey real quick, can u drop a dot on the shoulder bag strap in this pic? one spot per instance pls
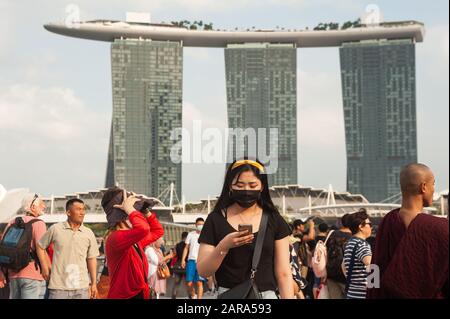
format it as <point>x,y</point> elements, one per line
<point>328,237</point>
<point>350,267</point>
<point>259,244</point>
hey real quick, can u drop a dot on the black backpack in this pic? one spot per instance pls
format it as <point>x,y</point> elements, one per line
<point>15,252</point>
<point>335,256</point>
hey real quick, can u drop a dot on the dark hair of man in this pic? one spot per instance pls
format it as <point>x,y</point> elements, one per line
<point>72,201</point>
<point>345,220</point>
<point>184,235</point>
<point>323,228</point>
<point>358,219</point>
<point>199,220</point>
<point>297,223</point>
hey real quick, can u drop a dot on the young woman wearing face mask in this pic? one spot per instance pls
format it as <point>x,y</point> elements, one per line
<point>227,252</point>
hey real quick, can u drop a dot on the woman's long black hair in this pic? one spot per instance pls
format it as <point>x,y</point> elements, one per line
<point>224,201</point>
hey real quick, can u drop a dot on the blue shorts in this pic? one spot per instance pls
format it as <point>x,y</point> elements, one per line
<point>192,273</point>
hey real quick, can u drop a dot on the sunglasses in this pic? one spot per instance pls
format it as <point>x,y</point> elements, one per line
<point>36,196</point>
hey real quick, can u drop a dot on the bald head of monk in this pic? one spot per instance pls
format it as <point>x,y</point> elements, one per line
<point>417,180</point>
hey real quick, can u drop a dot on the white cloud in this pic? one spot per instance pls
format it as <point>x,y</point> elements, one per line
<point>48,113</point>
<point>50,135</point>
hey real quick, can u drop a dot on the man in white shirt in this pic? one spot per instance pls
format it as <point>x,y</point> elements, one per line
<point>191,251</point>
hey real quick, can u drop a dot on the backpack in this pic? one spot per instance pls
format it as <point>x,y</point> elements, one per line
<point>15,252</point>
<point>319,260</point>
<point>302,252</point>
<point>335,257</point>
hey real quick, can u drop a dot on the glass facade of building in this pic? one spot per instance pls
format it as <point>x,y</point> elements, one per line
<point>147,107</point>
<point>262,93</point>
<point>379,98</point>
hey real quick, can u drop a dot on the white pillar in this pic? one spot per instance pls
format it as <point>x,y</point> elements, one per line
<point>284,204</point>
<point>171,195</point>
<point>309,205</point>
<point>52,204</point>
<point>209,205</point>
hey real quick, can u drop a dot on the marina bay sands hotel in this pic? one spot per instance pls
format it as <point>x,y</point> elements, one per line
<point>378,91</point>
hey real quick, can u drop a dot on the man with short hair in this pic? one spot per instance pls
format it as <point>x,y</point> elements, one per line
<point>73,272</point>
<point>411,248</point>
<point>191,252</point>
<point>28,283</point>
<point>323,232</point>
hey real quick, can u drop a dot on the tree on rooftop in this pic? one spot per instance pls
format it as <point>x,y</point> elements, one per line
<point>347,25</point>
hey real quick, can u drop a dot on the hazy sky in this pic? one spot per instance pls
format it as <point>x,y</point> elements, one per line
<point>56,104</point>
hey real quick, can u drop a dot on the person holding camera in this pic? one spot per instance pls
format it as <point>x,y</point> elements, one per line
<point>132,227</point>
<point>245,223</point>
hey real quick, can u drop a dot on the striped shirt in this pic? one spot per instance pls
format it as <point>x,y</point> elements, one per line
<point>358,281</point>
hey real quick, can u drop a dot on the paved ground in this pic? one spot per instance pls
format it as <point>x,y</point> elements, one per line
<point>205,296</point>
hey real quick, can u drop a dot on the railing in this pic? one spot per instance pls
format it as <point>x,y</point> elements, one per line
<point>172,233</point>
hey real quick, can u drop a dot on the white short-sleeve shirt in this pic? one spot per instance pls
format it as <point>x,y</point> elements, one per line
<point>192,241</point>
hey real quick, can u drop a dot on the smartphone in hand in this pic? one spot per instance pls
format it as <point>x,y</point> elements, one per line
<point>244,227</point>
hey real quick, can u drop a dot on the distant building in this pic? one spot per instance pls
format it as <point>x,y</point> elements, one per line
<point>262,93</point>
<point>147,107</point>
<point>378,86</point>
<point>379,93</point>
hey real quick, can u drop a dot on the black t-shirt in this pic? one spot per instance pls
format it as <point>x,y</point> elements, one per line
<point>237,264</point>
<point>179,251</point>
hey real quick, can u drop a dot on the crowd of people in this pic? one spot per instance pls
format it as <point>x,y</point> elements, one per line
<point>244,249</point>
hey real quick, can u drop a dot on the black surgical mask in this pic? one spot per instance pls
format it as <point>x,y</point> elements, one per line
<point>245,198</point>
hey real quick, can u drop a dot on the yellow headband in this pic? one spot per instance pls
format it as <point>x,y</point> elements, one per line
<point>253,163</point>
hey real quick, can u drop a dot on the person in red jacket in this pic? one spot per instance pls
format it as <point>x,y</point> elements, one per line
<point>131,231</point>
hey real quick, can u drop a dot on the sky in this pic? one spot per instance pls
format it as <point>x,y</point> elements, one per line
<point>56,99</point>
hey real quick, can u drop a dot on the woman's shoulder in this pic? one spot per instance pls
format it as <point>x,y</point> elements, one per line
<point>276,217</point>
<point>279,224</point>
<point>359,242</point>
<point>214,217</point>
